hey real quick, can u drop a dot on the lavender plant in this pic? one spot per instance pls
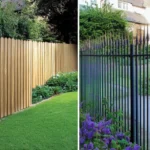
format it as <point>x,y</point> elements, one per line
<point>103,134</point>
<point>98,136</point>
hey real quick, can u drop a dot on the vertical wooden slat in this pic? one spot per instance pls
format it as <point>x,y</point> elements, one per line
<point>5,76</point>
<point>2,77</point>
<point>12,75</point>
<point>8,76</point>
<point>22,74</point>
<point>30,72</point>
<point>42,62</point>
<point>25,73</point>
<point>19,74</point>
<point>15,77</point>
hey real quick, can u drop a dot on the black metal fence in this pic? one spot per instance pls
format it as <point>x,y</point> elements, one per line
<point>116,69</point>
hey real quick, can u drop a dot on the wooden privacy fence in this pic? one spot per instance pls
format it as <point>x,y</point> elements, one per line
<point>26,64</point>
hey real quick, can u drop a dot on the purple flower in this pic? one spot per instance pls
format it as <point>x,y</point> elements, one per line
<point>90,135</point>
<point>85,146</point>
<point>96,148</point>
<point>107,123</point>
<point>106,141</point>
<point>82,140</point>
<point>128,138</point>
<point>84,131</point>
<point>90,124</point>
<point>90,146</point>
<point>136,147</point>
<point>88,117</point>
<point>100,125</point>
<point>106,131</point>
<point>120,136</point>
<point>128,148</point>
<point>112,149</point>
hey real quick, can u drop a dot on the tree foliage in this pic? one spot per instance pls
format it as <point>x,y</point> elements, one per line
<point>97,21</point>
<point>24,24</point>
<point>62,17</point>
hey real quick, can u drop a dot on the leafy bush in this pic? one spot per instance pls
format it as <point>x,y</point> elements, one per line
<point>63,82</point>
<point>95,22</point>
<point>41,92</point>
<point>57,89</point>
<point>24,24</point>
<point>67,81</point>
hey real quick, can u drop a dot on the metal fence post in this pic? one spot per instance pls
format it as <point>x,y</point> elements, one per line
<point>133,94</point>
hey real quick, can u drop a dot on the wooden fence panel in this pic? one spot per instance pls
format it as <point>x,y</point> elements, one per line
<point>26,64</point>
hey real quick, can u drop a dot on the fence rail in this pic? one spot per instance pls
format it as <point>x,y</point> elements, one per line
<point>26,64</point>
<point>117,69</point>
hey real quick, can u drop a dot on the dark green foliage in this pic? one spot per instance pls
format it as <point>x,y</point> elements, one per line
<point>95,22</point>
<point>61,83</point>
<point>62,17</point>
<point>57,89</point>
<point>24,24</point>
<point>68,81</point>
<point>41,92</point>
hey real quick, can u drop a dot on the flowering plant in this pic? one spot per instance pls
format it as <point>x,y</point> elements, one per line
<point>98,136</point>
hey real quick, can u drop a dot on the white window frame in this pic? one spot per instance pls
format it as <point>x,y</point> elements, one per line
<point>122,5</point>
<point>93,2</point>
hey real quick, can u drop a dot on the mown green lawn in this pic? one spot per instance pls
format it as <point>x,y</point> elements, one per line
<point>51,125</point>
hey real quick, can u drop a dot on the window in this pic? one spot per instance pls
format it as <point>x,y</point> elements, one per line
<point>119,4</point>
<point>93,2</point>
<point>122,5</point>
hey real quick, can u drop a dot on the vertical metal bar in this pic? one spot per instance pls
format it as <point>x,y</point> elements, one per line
<point>133,100</point>
<point>147,91</point>
<point>140,52</point>
<point>104,70</point>
<point>100,83</point>
<point>128,99</point>
<point>107,68</point>
<point>110,72</point>
<point>122,78</point>
<point>113,73</point>
<point>125,86</point>
<point>144,91</point>
<point>116,65</point>
<point>99,98</point>
<point>136,86</point>
<point>119,76</point>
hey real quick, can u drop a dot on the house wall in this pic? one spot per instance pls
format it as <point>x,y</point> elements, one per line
<point>114,5</point>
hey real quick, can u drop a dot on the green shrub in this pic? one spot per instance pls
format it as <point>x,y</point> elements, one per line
<point>57,89</point>
<point>67,81</point>
<point>61,83</point>
<point>24,24</point>
<point>95,22</point>
<point>41,92</point>
<point>70,85</point>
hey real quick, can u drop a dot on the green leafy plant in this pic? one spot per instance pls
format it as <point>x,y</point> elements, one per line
<point>95,22</point>
<point>61,83</point>
<point>115,116</point>
<point>57,89</point>
<point>67,81</point>
<point>23,24</point>
<point>41,92</point>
